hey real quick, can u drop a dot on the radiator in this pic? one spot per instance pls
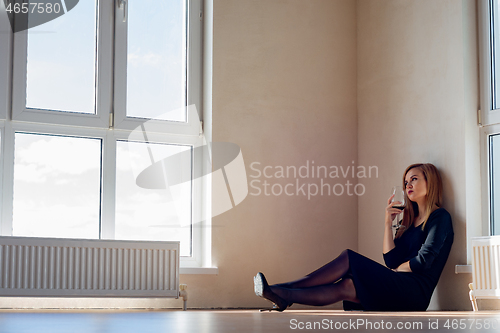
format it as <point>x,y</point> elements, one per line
<point>485,268</point>
<point>88,268</point>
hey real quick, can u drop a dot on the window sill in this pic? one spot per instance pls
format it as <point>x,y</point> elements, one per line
<point>199,270</point>
<point>463,269</point>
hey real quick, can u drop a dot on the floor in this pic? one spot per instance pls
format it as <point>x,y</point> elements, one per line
<point>221,321</point>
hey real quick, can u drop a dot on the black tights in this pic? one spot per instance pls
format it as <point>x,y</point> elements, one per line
<point>326,285</point>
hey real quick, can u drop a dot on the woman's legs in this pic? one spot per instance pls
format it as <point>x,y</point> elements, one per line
<point>326,285</point>
<point>343,290</point>
<point>326,274</point>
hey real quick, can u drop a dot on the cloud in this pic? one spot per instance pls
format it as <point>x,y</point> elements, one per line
<point>149,59</point>
<point>70,88</point>
<point>33,218</point>
<point>41,156</point>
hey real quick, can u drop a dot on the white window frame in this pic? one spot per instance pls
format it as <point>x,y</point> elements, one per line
<point>488,118</point>
<point>5,99</point>
<point>104,81</point>
<point>108,124</point>
<point>485,134</point>
<point>194,76</point>
<point>5,64</point>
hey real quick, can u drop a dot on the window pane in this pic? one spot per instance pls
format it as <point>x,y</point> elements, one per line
<point>153,210</point>
<point>156,59</point>
<point>495,184</point>
<point>56,186</point>
<point>61,62</point>
<point>495,53</point>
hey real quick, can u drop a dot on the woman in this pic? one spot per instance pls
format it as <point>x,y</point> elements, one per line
<point>415,258</point>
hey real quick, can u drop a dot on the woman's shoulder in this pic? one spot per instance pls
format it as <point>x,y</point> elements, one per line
<point>441,216</point>
<point>440,211</point>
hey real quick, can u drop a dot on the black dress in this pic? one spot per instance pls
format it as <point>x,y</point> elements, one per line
<point>379,288</point>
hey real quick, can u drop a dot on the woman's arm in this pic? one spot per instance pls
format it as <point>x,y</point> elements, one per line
<point>440,230</point>
<point>388,239</point>
<point>404,267</point>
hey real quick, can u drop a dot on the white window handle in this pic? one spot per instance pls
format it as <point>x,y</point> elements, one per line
<point>122,4</point>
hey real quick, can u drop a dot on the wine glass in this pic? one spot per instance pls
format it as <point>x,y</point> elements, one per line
<point>399,196</point>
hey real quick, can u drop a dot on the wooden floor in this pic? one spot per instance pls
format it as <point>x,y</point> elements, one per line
<point>221,321</point>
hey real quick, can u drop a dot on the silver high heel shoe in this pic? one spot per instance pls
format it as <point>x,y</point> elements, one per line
<point>262,289</point>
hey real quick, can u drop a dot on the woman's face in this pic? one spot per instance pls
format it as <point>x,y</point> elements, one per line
<point>416,185</point>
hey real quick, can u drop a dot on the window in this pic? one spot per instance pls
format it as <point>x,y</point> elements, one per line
<point>489,19</point>
<point>63,50</point>
<point>150,210</point>
<point>156,66</point>
<point>494,153</point>
<point>56,186</point>
<point>100,96</point>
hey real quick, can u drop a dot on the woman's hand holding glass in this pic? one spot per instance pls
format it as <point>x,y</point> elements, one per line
<point>395,206</point>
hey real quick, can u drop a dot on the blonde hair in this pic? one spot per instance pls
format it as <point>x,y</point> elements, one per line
<point>434,196</point>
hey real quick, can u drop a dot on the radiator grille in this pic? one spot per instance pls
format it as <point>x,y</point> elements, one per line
<point>486,265</point>
<point>62,267</point>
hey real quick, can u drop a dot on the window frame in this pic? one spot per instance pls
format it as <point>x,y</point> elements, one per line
<point>488,118</point>
<point>488,115</point>
<point>104,82</point>
<point>101,125</point>
<point>5,66</point>
<point>484,228</point>
<point>193,76</point>
<point>5,96</point>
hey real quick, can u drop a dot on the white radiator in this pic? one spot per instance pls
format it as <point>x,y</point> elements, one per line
<point>485,268</point>
<point>80,268</point>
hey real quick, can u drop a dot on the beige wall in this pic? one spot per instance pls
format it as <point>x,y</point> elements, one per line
<point>384,83</point>
<point>284,90</point>
<point>417,90</point>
